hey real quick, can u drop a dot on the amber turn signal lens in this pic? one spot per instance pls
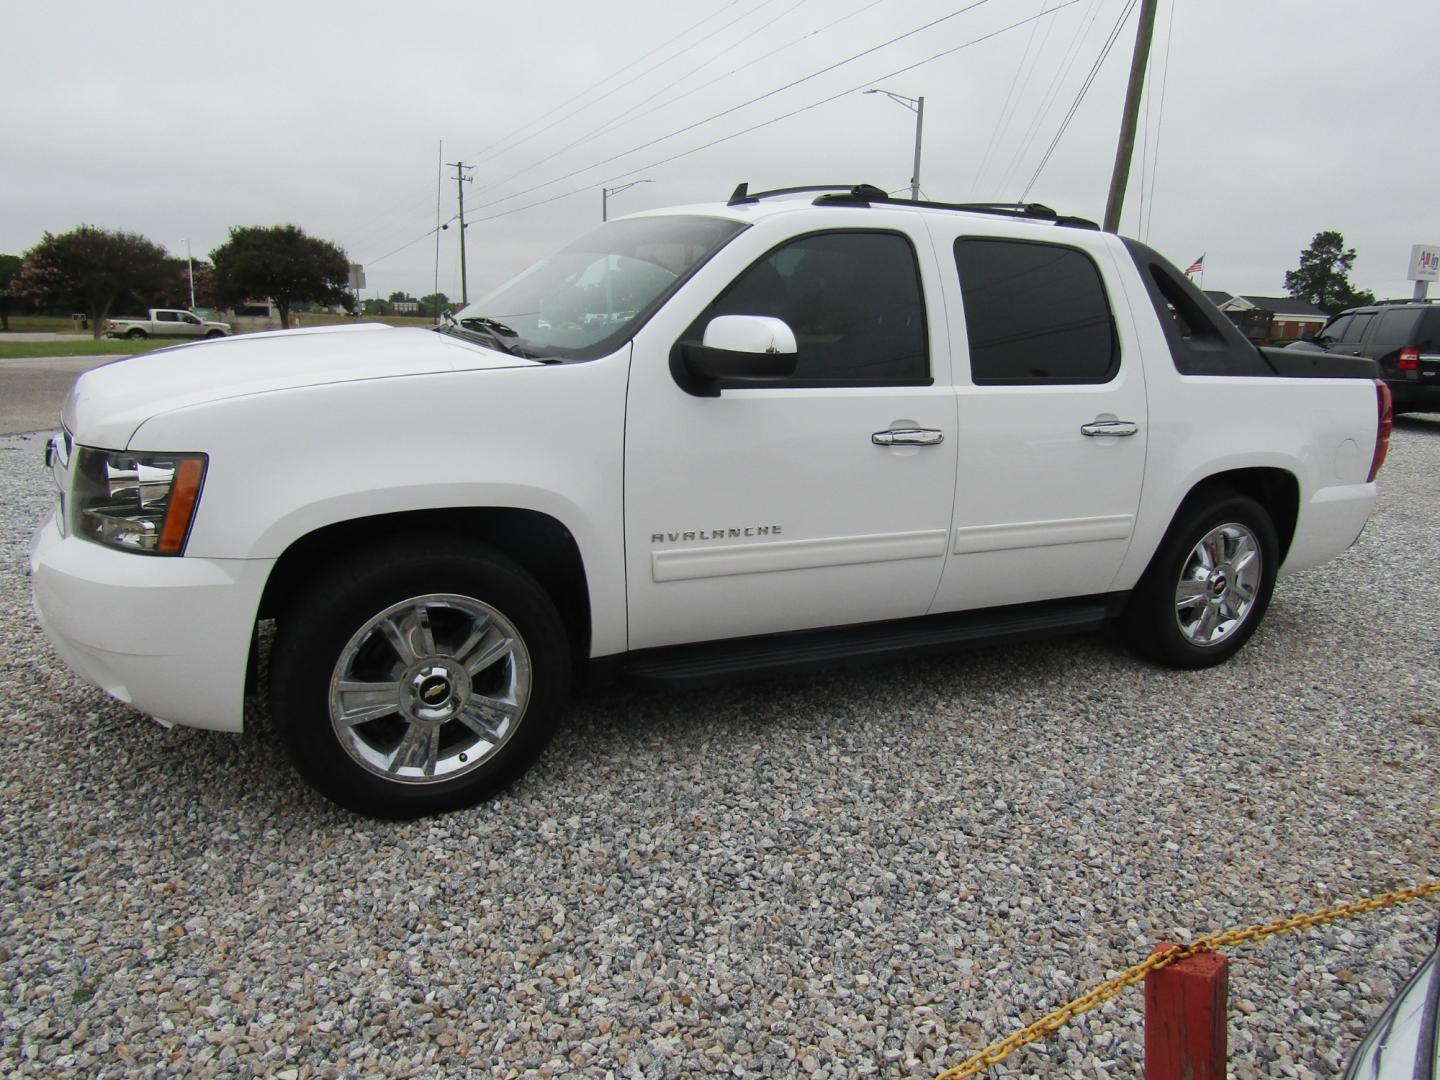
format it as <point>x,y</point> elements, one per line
<point>183,497</point>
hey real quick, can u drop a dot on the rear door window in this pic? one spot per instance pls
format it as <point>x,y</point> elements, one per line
<point>1357,326</point>
<point>1035,313</point>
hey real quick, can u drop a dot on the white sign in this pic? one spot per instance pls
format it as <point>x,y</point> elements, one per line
<point>357,277</point>
<point>1424,263</point>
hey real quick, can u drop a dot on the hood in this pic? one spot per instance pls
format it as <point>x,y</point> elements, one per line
<point>108,403</point>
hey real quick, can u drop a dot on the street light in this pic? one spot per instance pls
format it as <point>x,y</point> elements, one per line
<point>917,106</point>
<point>606,192</point>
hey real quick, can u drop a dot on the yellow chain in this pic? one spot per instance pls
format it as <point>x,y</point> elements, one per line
<point>1048,1025</point>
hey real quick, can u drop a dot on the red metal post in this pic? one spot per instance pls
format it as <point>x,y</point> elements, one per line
<point>1185,1012</point>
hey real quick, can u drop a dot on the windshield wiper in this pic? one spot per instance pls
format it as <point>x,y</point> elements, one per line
<point>492,333</point>
<point>486,323</point>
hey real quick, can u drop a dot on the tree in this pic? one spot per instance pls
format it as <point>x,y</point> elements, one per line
<point>401,297</point>
<point>281,263</point>
<point>376,307</point>
<point>434,304</point>
<point>1323,276</point>
<point>9,271</point>
<point>89,269</point>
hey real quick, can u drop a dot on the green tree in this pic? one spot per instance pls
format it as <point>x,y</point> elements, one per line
<point>281,263</point>
<point>435,303</point>
<point>1323,276</point>
<point>89,269</point>
<point>401,297</point>
<point>9,271</point>
<point>375,306</point>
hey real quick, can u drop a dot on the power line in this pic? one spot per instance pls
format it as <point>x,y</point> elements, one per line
<point>1160,119</point>
<point>1075,105</point>
<point>1009,94</point>
<point>784,116</point>
<point>413,206</point>
<point>663,90</point>
<point>744,104</point>
<point>745,131</point>
<point>613,90</point>
<point>667,92</point>
<point>1052,91</point>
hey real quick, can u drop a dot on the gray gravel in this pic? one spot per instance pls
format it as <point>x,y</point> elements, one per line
<point>872,872</point>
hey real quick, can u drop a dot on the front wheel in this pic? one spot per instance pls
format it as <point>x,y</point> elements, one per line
<point>418,678</point>
<point>1208,586</point>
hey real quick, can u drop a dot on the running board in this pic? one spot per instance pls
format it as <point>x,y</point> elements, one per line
<point>720,661</point>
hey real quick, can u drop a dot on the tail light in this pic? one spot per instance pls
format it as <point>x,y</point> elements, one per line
<point>110,325</point>
<point>1409,359</point>
<point>1384,422</point>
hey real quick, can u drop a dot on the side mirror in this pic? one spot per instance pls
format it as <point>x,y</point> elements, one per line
<point>736,349</point>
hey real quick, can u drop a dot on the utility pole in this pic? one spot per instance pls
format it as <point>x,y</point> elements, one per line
<point>1120,177</point>
<point>606,192</point>
<point>917,106</point>
<point>460,181</point>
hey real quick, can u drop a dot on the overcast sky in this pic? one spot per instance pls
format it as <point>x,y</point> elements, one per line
<point>1279,119</point>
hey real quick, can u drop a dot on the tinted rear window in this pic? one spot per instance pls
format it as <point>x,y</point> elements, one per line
<point>1035,313</point>
<point>1397,327</point>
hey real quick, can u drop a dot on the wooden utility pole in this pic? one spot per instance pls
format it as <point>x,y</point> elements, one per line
<point>1120,177</point>
<point>460,181</point>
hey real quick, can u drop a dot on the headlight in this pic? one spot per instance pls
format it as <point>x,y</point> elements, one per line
<point>135,502</point>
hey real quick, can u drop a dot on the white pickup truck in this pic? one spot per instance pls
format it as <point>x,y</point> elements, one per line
<point>763,434</point>
<point>166,322</point>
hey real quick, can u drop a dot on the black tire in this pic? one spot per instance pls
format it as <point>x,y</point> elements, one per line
<point>135,334</point>
<point>215,333</point>
<point>1159,625</point>
<point>316,641</point>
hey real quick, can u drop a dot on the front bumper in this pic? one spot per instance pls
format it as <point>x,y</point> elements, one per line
<point>169,636</point>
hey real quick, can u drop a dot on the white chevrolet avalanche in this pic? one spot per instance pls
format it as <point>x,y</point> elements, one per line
<point>796,427</point>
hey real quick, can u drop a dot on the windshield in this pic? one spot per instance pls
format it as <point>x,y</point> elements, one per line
<point>587,299</point>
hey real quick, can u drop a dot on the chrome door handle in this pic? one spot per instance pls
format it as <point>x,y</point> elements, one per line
<point>908,436</point>
<point>1110,427</point>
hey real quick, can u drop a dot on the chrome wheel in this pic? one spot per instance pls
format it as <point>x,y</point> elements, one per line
<point>430,688</point>
<point>1219,584</point>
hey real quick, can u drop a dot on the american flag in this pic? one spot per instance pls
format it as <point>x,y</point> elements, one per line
<point>1195,267</point>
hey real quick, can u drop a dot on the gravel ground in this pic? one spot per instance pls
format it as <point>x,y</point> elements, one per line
<point>873,872</point>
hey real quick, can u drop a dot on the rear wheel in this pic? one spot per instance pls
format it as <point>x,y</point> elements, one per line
<point>1208,586</point>
<point>215,333</point>
<point>419,678</point>
<point>135,335</point>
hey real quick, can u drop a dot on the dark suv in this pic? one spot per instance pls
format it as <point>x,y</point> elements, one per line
<point>1403,337</point>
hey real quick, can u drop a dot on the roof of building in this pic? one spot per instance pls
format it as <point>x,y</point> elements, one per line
<point>1217,296</point>
<point>1285,305</point>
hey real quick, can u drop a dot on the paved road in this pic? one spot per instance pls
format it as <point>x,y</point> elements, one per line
<point>32,390</point>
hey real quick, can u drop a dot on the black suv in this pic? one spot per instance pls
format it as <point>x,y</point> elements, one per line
<point>1403,337</point>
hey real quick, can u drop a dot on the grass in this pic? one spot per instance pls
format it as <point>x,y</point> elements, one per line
<point>85,346</point>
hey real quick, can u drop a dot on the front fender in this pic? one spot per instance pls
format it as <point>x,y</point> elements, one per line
<point>283,464</point>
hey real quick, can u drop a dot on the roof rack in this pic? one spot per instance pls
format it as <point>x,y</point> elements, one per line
<point>868,194</point>
<point>1409,300</point>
